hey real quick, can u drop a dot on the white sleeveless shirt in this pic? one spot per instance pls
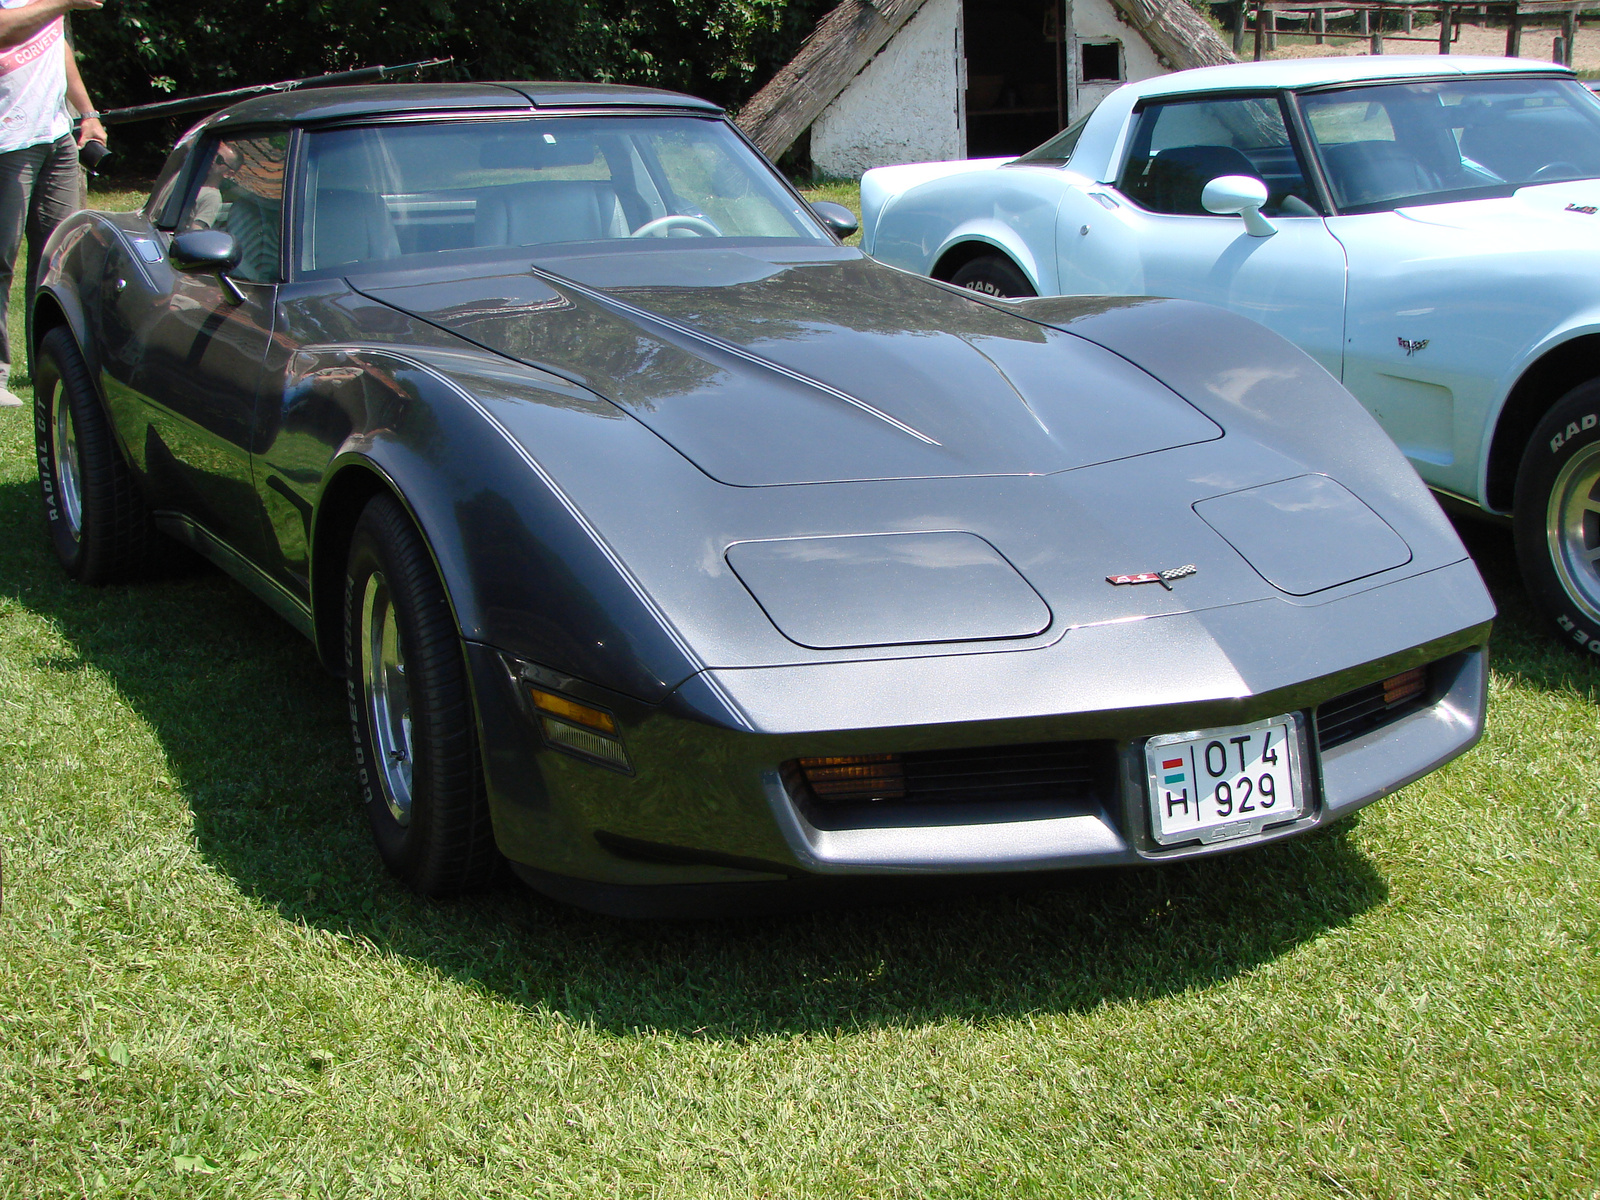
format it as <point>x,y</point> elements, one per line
<point>33,88</point>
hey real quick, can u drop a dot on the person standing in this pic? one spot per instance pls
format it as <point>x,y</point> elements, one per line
<point>40,183</point>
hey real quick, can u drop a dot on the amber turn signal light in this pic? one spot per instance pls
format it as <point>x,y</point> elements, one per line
<point>571,710</point>
<point>1407,685</point>
<point>855,777</point>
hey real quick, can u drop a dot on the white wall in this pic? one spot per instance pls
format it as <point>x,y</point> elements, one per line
<point>906,105</point>
<point>1097,21</point>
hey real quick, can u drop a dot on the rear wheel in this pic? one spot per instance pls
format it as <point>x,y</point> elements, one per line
<point>1557,516</point>
<point>98,523</point>
<point>993,275</point>
<point>417,759</point>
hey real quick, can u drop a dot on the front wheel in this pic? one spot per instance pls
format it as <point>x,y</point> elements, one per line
<point>417,759</point>
<point>993,275</point>
<point>1557,516</point>
<point>98,524</point>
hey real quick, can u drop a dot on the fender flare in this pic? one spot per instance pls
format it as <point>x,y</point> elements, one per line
<point>1002,237</point>
<point>1514,410</point>
<point>65,300</point>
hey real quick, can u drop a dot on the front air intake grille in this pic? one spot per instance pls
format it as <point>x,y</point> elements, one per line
<point>1069,772</point>
<point>1367,708</point>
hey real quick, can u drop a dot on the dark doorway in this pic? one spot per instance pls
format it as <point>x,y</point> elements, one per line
<point>1015,92</point>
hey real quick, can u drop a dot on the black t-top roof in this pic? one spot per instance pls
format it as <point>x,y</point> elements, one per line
<point>378,99</point>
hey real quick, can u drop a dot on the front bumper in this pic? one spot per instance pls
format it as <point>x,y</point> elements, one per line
<point>706,805</point>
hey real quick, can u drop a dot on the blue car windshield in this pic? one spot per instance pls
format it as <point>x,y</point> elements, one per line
<point>1429,143</point>
<point>388,191</point>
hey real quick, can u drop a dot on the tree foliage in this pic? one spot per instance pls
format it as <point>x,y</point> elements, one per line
<point>139,51</point>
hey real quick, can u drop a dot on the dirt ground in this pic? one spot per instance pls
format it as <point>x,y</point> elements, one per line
<point>1537,43</point>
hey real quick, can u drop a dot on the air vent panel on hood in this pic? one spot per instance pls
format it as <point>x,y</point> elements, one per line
<point>888,589</point>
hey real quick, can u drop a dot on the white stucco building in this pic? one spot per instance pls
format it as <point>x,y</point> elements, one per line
<point>972,78</point>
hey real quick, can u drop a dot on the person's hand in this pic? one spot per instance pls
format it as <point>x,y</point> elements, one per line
<point>85,3</point>
<point>90,129</point>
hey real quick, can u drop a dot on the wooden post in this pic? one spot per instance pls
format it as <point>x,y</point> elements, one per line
<point>1240,24</point>
<point>1514,33</point>
<point>1377,34</point>
<point>1569,36</point>
<point>1408,24</point>
<point>1261,28</point>
<point>1322,26</point>
<point>1364,26</point>
<point>1444,29</point>
<point>1272,29</point>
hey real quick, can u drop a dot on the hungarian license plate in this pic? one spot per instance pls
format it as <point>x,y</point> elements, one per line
<point>1216,784</point>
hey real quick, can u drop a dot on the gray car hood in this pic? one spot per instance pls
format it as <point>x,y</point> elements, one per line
<point>808,364</point>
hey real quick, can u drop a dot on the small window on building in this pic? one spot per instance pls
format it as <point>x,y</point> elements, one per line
<point>1102,62</point>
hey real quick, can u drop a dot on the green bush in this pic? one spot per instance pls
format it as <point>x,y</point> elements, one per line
<point>140,51</point>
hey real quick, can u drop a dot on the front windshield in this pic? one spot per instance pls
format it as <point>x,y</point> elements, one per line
<point>1429,143</point>
<point>389,191</point>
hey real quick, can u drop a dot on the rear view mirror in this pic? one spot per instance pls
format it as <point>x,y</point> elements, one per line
<point>1228,194</point>
<point>839,219</point>
<point>539,150</point>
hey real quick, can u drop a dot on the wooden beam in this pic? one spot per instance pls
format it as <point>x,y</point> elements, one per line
<point>840,47</point>
<point>1176,32</point>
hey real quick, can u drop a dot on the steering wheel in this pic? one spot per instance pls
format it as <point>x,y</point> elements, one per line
<point>1560,165</point>
<point>699,226</point>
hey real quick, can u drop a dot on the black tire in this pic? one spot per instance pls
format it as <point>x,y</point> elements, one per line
<point>417,760</point>
<point>1556,528</point>
<point>98,523</point>
<point>993,275</point>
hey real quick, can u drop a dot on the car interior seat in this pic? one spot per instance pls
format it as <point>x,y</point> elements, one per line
<point>552,210</point>
<point>1178,175</point>
<point>349,226</point>
<point>1372,172</point>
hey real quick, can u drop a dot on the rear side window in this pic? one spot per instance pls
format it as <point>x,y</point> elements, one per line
<point>1180,147</point>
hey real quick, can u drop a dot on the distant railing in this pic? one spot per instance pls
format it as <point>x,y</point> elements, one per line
<point>1316,14</point>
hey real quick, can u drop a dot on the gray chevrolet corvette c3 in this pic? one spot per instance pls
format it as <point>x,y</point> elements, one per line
<point>687,559</point>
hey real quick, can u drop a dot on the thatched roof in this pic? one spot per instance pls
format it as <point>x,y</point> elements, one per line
<point>852,35</point>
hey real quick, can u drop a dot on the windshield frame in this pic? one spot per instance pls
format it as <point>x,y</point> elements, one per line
<point>298,209</point>
<point>1314,147</point>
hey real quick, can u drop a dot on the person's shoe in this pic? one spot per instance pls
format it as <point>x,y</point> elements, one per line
<point>7,400</point>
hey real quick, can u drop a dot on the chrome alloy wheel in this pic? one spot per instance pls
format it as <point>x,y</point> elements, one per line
<point>1572,526</point>
<point>388,696</point>
<point>64,447</point>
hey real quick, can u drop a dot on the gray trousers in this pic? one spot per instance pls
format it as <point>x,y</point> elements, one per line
<point>40,186</point>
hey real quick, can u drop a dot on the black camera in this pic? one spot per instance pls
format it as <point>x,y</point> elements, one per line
<point>92,154</point>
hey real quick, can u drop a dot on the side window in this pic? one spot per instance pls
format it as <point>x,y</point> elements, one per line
<point>158,207</point>
<point>241,191</point>
<point>1178,148</point>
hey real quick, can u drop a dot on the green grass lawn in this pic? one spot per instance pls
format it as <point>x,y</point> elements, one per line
<point>209,988</point>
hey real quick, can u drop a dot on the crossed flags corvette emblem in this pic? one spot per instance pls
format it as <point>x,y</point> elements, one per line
<point>1164,578</point>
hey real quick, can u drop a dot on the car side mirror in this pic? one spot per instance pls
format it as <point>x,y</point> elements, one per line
<point>1228,194</point>
<point>207,251</point>
<point>839,219</point>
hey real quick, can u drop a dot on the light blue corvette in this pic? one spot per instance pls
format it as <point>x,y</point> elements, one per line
<point>1428,229</point>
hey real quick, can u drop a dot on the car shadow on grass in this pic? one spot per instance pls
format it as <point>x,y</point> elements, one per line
<point>256,744</point>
